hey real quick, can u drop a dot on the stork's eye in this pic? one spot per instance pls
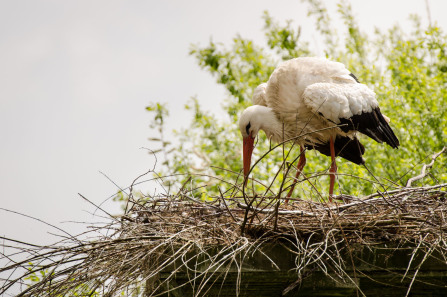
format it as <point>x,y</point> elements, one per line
<point>247,128</point>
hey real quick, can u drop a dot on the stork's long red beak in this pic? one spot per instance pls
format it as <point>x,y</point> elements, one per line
<point>247,151</point>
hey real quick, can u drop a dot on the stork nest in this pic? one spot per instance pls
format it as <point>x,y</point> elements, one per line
<point>169,234</point>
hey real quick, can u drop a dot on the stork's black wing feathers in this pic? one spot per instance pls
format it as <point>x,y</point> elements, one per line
<point>345,147</point>
<point>372,124</point>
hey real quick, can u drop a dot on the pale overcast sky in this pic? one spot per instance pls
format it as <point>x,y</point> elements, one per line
<point>75,77</point>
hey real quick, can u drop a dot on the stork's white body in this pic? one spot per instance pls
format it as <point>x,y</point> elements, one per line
<point>300,89</point>
<point>321,105</point>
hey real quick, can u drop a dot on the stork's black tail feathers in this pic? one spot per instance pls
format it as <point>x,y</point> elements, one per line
<point>345,147</point>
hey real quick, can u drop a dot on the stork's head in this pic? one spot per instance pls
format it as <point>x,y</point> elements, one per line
<point>253,119</point>
<point>250,122</point>
<point>247,123</point>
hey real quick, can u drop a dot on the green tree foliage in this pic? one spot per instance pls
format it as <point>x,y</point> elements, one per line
<point>407,70</point>
<point>36,275</point>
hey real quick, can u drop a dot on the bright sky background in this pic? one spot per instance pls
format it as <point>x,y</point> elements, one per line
<point>75,77</point>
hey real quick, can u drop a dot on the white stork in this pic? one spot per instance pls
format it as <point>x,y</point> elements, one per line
<point>320,100</point>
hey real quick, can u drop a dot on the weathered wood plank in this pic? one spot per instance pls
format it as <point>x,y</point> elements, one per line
<point>377,271</point>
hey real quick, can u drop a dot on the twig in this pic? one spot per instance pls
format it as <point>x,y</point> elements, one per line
<point>96,206</point>
<point>423,173</point>
<point>273,210</point>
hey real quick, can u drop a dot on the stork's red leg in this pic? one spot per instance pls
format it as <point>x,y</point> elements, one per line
<point>333,170</point>
<point>300,166</point>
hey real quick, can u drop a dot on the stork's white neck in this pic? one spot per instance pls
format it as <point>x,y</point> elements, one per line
<point>261,118</point>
